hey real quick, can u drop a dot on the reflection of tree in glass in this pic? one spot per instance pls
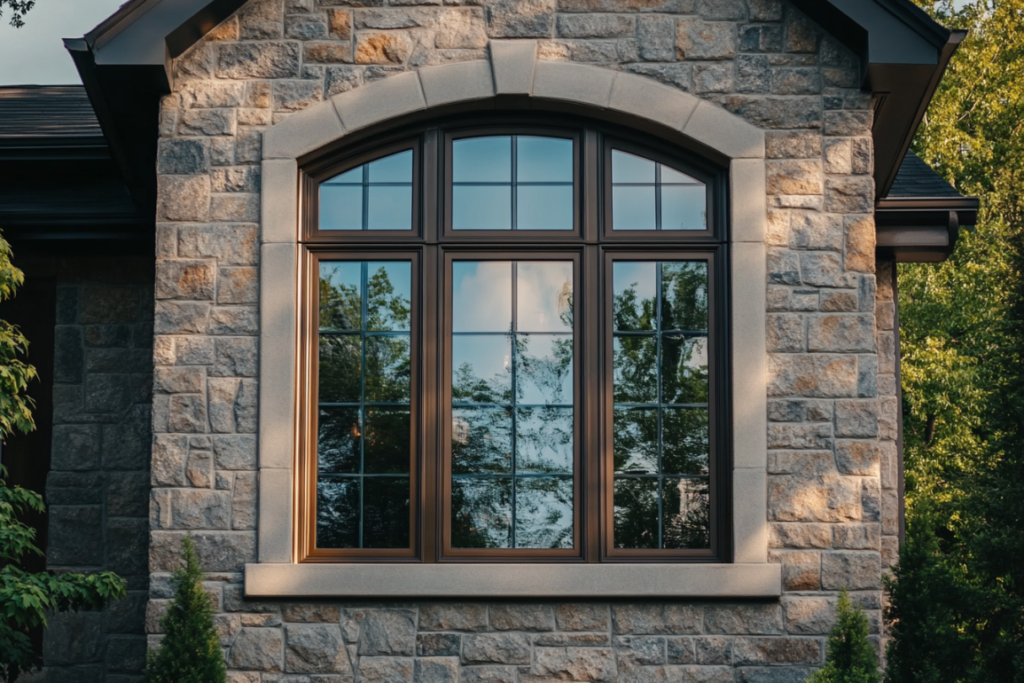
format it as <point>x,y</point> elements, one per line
<point>341,307</point>
<point>687,514</point>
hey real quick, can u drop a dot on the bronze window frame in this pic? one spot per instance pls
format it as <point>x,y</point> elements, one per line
<point>593,245</point>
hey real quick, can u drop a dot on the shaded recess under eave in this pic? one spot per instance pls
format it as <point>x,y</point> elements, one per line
<point>125,64</point>
<point>58,182</point>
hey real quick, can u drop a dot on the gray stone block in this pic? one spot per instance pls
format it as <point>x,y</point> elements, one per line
<point>380,101</point>
<point>176,156</point>
<point>643,98</point>
<point>219,551</point>
<point>126,445</point>
<point>496,648</point>
<point>513,63</point>
<point>68,355</point>
<point>257,649</point>
<point>456,82</point>
<point>75,488</point>
<point>302,133</point>
<point>127,543</point>
<point>75,537</point>
<point>76,447</point>
<point>315,649</point>
<point>574,82</point>
<point>126,653</point>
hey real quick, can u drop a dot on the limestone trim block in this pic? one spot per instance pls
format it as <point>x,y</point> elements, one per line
<point>513,580</point>
<point>513,69</point>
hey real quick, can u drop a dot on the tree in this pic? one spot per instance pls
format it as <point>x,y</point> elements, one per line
<point>851,656</point>
<point>18,10</point>
<point>957,597</point>
<point>25,598</point>
<point>190,652</point>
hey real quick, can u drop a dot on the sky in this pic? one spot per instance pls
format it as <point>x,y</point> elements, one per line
<point>34,54</point>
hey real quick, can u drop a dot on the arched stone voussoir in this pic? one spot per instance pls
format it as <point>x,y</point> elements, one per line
<point>514,69</point>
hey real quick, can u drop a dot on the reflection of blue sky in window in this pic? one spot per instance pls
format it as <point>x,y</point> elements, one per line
<point>544,296</point>
<point>374,196</point>
<point>481,296</point>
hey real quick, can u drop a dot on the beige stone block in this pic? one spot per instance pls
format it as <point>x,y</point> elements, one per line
<point>278,320</point>
<point>725,133</point>
<point>644,98</point>
<point>749,205</point>
<point>794,177</point>
<point>750,424</point>
<point>750,541</point>
<point>275,515</point>
<point>851,570</point>
<point>577,83</point>
<point>302,132</point>
<point>379,101</point>
<point>800,535</point>
<point>513,62</point>
<point>814,498</point>
<point>280,201</point>
<point>456,82</point>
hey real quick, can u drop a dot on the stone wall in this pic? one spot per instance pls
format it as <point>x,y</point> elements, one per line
<point>832,497</point>
<point>98,486</point>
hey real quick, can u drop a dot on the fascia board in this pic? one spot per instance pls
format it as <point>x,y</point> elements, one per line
<point>140,38</point>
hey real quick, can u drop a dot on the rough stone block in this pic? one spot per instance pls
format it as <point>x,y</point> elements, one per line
<point>794,177</point>
<point>126,542</point>
<point>861,458</point>
<point>697,39</point>
<point>813,376</point>
<point>438,645</point>
<point>860,244</point>
<point>635,651</point>
<point>219,551</point>
<point>315,648</point>
<point>656,619</point>
<point>743,619</point>
<point>385,670</point>
<point>581,617</point>
<point>183,157</point>
<point>575,664</point>
<point>841,334</point>
<point>436,670</point>
<point>453,617</point>
<point>185,279</point>
<point>76,447</point>
<point>183,198</point>
<point>181,317</point>
<point>755,651</point>
<point>387,632</point>
<point>75,537</point>
<point>258,60</point>
<point>799,535</point>
<point>257,649</point>
<point>496,648</point>
<point>190,509</point>
<point>851,570</point>
<point>801,571</point>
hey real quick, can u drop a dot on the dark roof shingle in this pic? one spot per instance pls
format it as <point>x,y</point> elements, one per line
<point>917,179</point>
<point>49,111</point>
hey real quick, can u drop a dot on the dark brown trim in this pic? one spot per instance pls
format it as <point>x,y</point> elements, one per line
<point>719,464</point>
<point>901,477</point>
<point>712,179</point>
<point>448,553</point>
<point>306,466</point>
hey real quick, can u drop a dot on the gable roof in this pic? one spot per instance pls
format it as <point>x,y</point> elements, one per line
<point>917,179</point>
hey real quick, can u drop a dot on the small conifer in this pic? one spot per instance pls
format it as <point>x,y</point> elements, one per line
<point>851,656</point>
<point>190,652</point>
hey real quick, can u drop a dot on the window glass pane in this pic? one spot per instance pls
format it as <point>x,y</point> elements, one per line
<point>544,296</point>
<point>497,451</point>
<point>482,296</point>
<point>683,207</point>
<point>363,447</point>
<point>388,296</point>
<point>341,295</point>
<point>396,168</point>
<point>543,160</point>
<point>633,207</point>
<point>687,514</point>
<point>339,440</point>
<point>684,290</point>
<point>544,207</point>
<point>481,368</point>
<point>390,207</point>
<point>481,440</point>
<point>636,295</point>
<point>629,168</point>
<point>341,207</point>
<point>374,196</point>
<point>482,207</point>
<point>661,448</point>
<point>670,175</point>
<point>337,513</point>
<point>544,512</point>
<point>482,513</point>
<point>386,512</point>
<point>544,369</point>
<point>482,160</point>
<point>544,440</point>
<point>636,513</point>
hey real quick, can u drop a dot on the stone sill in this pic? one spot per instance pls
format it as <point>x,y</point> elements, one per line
<point>513,581</point>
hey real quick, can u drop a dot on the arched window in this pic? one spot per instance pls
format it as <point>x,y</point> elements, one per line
<point>514,347</point>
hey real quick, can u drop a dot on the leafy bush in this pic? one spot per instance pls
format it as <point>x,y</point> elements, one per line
<point>851,656</point>
<point>25,598</point>
<point>190,652</point>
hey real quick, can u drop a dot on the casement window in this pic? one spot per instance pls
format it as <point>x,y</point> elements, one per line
<point>513,348</point>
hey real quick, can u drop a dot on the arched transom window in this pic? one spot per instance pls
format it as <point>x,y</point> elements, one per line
<point>513,347</point>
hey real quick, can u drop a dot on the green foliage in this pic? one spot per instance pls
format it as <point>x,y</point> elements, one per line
<point>25,598</point>
<point>190,652</point>
<point>957,598</point>
<point>18,10</point>
<point>851,656</point>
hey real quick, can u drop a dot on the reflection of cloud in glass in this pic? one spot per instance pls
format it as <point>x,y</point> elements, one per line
<point>544,296</point>
<point>481,296</point>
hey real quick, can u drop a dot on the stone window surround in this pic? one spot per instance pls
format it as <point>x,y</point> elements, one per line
<point>513,69</point>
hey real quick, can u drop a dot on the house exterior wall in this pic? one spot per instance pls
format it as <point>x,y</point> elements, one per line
<point>97,490</point>
<point>832,498</point>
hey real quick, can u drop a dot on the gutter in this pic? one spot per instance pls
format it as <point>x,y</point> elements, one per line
<point>922,229</point>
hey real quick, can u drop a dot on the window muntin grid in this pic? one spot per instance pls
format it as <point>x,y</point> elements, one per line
<point>647,195</point>
<point>374,196</point>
